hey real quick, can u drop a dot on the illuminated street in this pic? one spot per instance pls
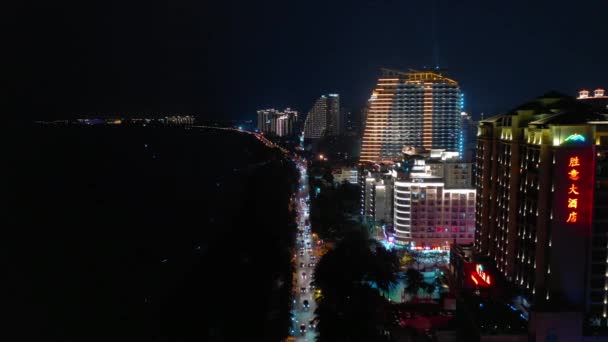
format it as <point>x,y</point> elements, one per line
<point>305,258</point>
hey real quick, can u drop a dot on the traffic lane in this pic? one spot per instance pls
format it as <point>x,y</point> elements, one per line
<point>303,315</point>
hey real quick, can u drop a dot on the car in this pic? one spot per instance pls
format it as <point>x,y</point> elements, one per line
<point>312,324</point>
<point>303,329</point>
<point>305,304</point>
<point>303,275</point>
<point>301,264</point>
<point>317,294</point>
<point>313,258</point>
<point>428,333</point>
<point>301,253</point>
<point>302,290</point>
<point>311,265</point>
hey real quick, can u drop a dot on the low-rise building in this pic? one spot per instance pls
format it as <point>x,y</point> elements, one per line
<point>428,213</point>
<point>345,174</point>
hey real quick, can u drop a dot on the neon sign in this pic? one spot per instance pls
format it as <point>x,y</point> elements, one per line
<point>573,191</point>
<point>573,186</point>
<point>479,272</point>
<point>575,137</point>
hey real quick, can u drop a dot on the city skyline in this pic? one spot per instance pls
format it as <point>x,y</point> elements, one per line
<point>288,171</point>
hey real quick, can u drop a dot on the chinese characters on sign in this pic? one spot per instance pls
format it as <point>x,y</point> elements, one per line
<point>574,166</point>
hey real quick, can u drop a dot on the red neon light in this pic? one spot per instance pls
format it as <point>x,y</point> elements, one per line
<point>573,175</point>
<point>483,275</point>
<point>574,161</point>
<point>574,186</point>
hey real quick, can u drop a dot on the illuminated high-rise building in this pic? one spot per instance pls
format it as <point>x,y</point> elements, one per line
<point>420,109</point>
<point>542,204</point>
<point>434,205</point>
<point>324,118</point>
<point>280,123</point>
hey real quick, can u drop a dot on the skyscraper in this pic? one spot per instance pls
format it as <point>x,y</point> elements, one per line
<point>334,116</point>
<point>542,204</point>
<point>411,109</point>
<point>323,118</point>
<point>280,123</point>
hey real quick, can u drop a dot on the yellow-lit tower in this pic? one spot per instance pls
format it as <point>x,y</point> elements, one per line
<point>420,109</point>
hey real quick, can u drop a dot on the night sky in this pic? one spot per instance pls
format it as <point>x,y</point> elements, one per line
<point>227,60</point>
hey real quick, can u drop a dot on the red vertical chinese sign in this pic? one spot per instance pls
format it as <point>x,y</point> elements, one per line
<point>574,178</point>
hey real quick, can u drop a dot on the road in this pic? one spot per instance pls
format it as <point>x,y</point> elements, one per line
<point>306,258</point>
<point>306,247</point>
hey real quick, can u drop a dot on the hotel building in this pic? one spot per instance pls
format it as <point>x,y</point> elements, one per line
<point>434,205</point>
<point>542,204</point>
<point>324,117</point>
<point>426,202</point>
<point>420,109</point>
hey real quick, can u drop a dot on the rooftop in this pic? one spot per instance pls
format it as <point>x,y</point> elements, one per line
<point>554,108</point>
<point>416,75</point>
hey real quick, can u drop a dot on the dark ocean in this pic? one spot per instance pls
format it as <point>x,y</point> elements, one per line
<point>131,233</point>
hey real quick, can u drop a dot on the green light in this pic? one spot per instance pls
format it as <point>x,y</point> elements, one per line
<point>575,137</point>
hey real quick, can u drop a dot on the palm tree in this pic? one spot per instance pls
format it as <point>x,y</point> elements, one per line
<point>429,288</point>
<point>345,276</point>
<point>383,267</point>
<point>415,281</point>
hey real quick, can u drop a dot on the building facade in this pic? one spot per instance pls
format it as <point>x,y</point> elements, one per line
<point>345,174</point>
<point>280,123</point>
<point>411,109</point>
<point>430,214</point>
<point>542,203</point>
<point>376,196</point>
<point>425,202</point>
<point>323,118</point>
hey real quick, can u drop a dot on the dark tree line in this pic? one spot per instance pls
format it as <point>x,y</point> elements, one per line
<point>350,276</point>
<point>353,275</point>
<point>333,209</point>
